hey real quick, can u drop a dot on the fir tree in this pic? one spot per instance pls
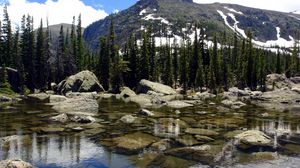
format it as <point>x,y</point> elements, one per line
<point>60,56</point>
<point>168,77</point>
<point>145,66</point>
<point>183,67</point>
<point>18,61</point>
<point>133,58</point>
<point>194,62</point>
<point>175,63</point>
<point>80,47</point>
<point>40,59</point>
<point>7,39</point>
<point>104,64</point>
<point>278,62</point>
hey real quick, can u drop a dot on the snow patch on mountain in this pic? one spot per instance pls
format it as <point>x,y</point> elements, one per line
<point>296,12</point>
<point>143,12</point>
<point>151,17</point>
<point>233,10</point>
<point>236,28</point>
<point>281,42</point>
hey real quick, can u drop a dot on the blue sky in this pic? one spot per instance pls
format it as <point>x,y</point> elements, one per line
<point>108,6</point>
<point>62,11</point>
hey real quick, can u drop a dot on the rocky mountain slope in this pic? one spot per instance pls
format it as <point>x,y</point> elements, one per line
<point>175,17</point>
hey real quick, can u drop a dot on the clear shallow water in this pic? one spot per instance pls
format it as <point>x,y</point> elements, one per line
<point>74,149</point>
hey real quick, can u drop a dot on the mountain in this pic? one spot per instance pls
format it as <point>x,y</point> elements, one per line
<point>55,30</point>
<point>175,17</point>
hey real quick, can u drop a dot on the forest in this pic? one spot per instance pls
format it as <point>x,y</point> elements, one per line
<point>188,64</point>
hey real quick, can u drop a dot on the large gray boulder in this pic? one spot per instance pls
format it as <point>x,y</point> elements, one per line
<point>252,138</point>
<point>127,92</point>
<point>4,99</point>
<point>13,79</point>
<point>277,81</point>
<point>84,81</point>
<point>15,163</point>
<point>145,86</point>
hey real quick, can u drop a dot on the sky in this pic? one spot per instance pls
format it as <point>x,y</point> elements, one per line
<point>62,11</point>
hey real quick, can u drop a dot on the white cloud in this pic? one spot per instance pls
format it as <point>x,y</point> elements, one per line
<point>58,11</point>
<point>278,5</point>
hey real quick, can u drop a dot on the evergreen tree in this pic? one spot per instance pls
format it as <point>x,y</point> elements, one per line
<point>278,62</point>
<point>7,39</point>
<point>80,47</point>
<point>48,55</point>
<point>235,53</point>
<point>249,57</point>
<point>27,51</point>
<point>73,47</point>
<point>183,67</point>
<point>194,62</point>
<point>168,77</point>
<point>175,63</point>
<point>153,61</point>
<point>1,46</point>
<point>40,59</point>
<point>104,64</point>
<point>241,76</point>
<point>145,66</point>
<point>262,72</point>
<point>60,56</point>
<point>214,65</point>
<point>133,58</point>
<point>18,60</point>
<point>225,68</point>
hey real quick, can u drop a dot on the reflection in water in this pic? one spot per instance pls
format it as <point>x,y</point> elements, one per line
<point>280,130</point>
<point>279,127</point>
<point>167,129</point>
<point>59,151</point>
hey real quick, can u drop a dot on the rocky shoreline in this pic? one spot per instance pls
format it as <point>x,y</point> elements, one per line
<point>78,110</point>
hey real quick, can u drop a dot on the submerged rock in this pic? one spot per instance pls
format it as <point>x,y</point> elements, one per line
<point>204,154</point>
<point>178,104</point>
<point>15,163</point>
<point>161,145</point>
<point>83,119</point>
<point>262,156</point>
<point>198,131</point>
<point>203,96</point>
<point>63,118</point>
<point>142,99</point>
<point>106,95</point>
<point>128,119</point>
<point>252,138</point>
<point>39,97</point>
<point>77,105</point>
<point>187,140</point>
<point>87,95</point>
<point>145,112</point>
<point>145,86</point>
<point>57,98</point>
<point>4,99</point>
<point>233,104</point>
<point>9,139</point>
<point>133,143</point>
<point>84,81</point>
